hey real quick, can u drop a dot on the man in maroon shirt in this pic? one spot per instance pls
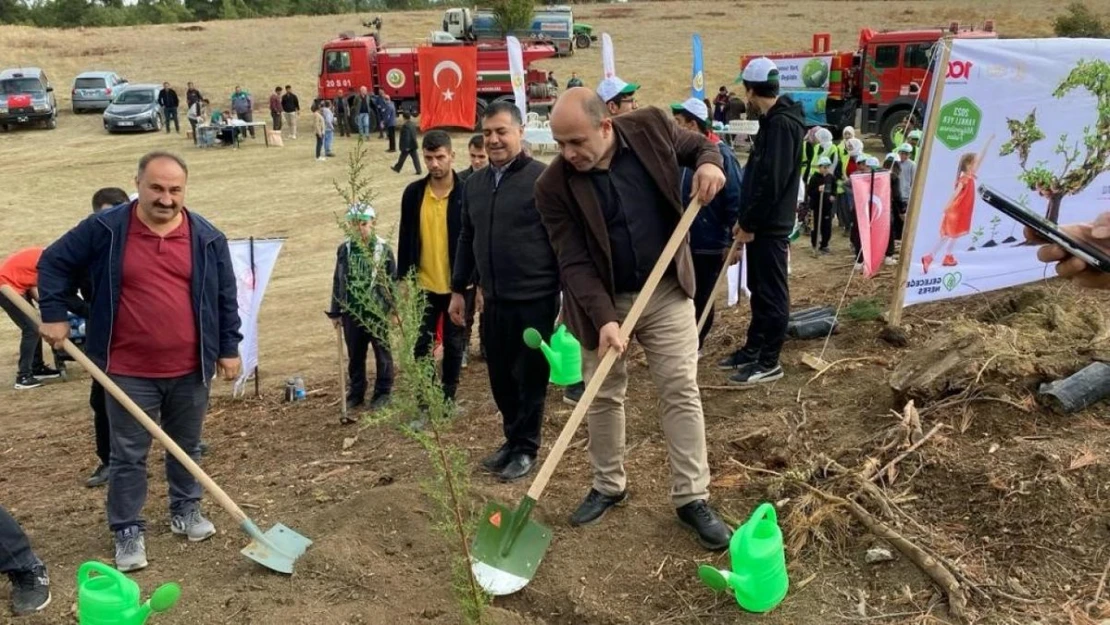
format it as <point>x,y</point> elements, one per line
<point>163,321</point>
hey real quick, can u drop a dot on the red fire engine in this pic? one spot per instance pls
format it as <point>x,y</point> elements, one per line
<point>885,80</point>
<point>348,63</point>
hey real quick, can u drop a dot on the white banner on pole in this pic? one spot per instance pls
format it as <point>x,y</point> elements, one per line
<point>1029,119</point>
<point>608,63</point>
<point>253,262</point>
<point>516,75</point>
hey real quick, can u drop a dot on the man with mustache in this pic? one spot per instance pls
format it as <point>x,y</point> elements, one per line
<point>163,321</point>
<point>503,239</point>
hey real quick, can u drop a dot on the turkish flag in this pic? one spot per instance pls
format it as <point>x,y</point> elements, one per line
<point>872,194</point>
<point>448,86</point>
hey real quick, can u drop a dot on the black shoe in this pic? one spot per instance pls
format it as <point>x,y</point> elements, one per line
<point>46,373</point>
<point>98,477</point>
<point>396,169</point>
<point>498,460</point>
<point>711,530</point>
<point>736,360</point>
<point>353,403</point>
<point>756,373</point>
<point>202,448</point>
<point>25,382</point>
<point>824,251</point>
<point>519,466</point>
<point>594,506</point>
<point>573,393</point>
<point>30,591</point>
<point>380,401</point>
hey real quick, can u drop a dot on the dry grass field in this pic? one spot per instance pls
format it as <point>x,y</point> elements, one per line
<point>369,566</point>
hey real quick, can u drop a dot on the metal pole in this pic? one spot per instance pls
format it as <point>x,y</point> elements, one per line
<point>257,390</point>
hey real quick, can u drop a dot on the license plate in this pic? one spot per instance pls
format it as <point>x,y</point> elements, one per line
<point>23,120</point>
<point>127,123</point>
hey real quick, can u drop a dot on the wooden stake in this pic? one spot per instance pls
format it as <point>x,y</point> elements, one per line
<point>717,286</point>
<point>914,213</point>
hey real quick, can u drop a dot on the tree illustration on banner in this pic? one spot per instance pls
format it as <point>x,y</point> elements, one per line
<point>448,86</point>
<point>1084,159</point>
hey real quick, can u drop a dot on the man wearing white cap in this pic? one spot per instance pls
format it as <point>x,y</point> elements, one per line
<point>915,143</point>
<point>711,232</point>
<point>768,200</point>
<point>619,96</point>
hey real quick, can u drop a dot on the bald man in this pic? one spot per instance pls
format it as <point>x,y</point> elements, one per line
<point>610,201</point>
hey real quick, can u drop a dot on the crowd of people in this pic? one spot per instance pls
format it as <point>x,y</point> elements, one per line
<point>510,240</point>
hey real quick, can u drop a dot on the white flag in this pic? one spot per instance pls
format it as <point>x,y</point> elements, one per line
<point>608,64</point>
<point>516,74</point>
<point>250,285</point>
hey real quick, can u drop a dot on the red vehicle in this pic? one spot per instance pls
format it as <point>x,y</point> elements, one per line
<point>884,81</point>
<point>348,63</point>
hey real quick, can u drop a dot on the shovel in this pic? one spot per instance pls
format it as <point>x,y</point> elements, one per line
<point>508,545</point>
<point>275,549</point>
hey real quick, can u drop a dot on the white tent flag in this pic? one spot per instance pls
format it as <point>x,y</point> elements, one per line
<point>1028,119</point>
<point>608,63</point>
<point>516,74</point>
<point>250,285</point>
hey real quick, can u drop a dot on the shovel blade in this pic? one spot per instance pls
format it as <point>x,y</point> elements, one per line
<point>499,574</point>
<point>277,549</point>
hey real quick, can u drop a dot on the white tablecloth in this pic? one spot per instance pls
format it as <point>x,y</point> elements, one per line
<point>539,138</point>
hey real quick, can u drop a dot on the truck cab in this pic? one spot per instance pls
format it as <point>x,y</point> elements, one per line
<point>27,97</point>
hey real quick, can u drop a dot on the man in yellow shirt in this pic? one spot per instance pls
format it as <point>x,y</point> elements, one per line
<point>431,217</point>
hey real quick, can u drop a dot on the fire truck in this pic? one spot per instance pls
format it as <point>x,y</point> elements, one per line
<point>875,87</point>
<point>349,62</point>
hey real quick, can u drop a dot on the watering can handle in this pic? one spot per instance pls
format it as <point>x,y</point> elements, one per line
<point>89,567</point>
<point>119,395</point>
<point>678,237</point>
<point>763,511</point>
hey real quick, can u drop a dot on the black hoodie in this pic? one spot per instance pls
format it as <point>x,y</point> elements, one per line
<point>769,193</point>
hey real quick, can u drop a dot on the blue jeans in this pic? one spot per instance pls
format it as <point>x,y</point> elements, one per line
<point>15,550</point>
<point>179,405</point>
<point>329,136</point>
<point>364,125</point>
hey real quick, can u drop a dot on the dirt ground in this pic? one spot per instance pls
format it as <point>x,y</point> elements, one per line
<point>1010,493</point>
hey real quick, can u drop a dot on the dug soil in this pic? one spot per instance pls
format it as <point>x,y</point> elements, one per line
<point>1005,492</point>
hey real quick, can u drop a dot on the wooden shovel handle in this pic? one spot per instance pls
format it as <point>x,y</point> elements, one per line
<point>342,371</point>
<point>678,237</point>
<point>717,286</point>
<point>137,412</point>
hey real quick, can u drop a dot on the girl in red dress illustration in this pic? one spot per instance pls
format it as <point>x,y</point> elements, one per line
<point>956,222</point>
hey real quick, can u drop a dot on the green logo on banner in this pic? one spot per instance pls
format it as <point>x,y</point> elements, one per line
<point>952,280</point>
<point>959,123</point>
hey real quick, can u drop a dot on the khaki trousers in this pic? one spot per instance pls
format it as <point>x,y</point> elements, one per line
<point>667,331</point>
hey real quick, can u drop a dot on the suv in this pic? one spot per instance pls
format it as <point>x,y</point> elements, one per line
<point>92,91</point>
<point>26,97</point>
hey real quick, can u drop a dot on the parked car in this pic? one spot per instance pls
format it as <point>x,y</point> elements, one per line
<point>93,91</point>
<point>135,107</point>
<point>26,97</point>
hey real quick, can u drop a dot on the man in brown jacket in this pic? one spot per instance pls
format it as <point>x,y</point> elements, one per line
<point>610,202</point>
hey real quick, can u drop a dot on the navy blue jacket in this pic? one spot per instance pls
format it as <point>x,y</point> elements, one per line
<point>97,244</point>
<point>711,231</point>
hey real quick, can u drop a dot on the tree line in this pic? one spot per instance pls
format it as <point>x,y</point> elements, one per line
<point>74,13</point>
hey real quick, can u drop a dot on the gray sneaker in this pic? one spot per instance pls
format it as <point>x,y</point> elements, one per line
<point>130,549</point>
<point>192,523</point>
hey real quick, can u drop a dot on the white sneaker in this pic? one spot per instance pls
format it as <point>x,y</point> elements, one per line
<point>321,159</point>
<point>890,260</point>
<point>130,550</point>
<point>192,524</point>
<point>859,266</point>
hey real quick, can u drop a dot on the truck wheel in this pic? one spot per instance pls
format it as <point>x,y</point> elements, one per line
<point>582,41</point>
<point>892,123</point>
<point>478,110</point>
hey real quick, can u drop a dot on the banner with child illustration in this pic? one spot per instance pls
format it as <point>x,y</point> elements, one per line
<point>1030,120</point>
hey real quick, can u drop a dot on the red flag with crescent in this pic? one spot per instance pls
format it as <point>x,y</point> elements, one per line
<point>448,86</point>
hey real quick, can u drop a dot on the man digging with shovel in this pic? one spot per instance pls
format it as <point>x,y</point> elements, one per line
<point>610,202</point>
<point>163,322</point>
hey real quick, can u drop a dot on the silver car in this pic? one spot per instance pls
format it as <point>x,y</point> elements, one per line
<point>135,107</point>
<point>93,91</point>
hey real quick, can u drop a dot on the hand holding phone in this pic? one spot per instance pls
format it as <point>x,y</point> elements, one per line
<point>1097,235</point>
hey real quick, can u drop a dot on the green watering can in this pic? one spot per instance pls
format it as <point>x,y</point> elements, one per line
<point>758,578</point>
<point>564,354</point>
<point>110,598</point>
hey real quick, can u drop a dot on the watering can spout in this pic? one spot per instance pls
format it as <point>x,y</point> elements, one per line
<point>563,354</point>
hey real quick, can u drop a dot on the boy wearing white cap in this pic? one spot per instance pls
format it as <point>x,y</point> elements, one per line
<point>821,194</point>
<point>768,201</point>
<point>619,96</point>
<point>915,143</point>
<point>361,267</point>
<point>711,232</point>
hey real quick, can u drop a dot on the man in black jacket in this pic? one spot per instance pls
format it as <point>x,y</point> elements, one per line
<point>290,107</point>
<point>505,241</point>
<point>167,99</point>
<point>431,220</point>
<point>768,198</point>
<point>408,144</point>
<point>362,266</point>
